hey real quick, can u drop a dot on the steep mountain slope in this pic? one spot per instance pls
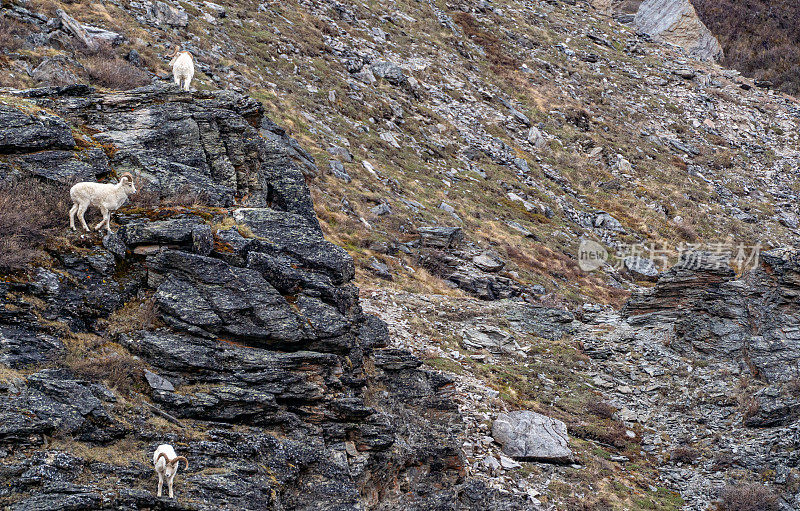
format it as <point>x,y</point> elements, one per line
<point>460,153</point>
<point>621,126</point>
<point>253,347</point>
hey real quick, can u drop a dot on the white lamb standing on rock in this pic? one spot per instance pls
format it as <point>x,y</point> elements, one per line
<point>182,67</point>
<point>166,464</point>
<point>106,196</point>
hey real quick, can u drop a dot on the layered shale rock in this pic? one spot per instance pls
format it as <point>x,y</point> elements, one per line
<point>676,22</point>
<point>714,315</point>
<point>712,369</point>
<point>260,364</point>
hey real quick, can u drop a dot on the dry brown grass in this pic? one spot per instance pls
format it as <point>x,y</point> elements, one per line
<point>600,409</point>
<point>610,433</point>
<point>722,159</point>
<point>31,213</point>
<point>12,34</point>
<point>133,316</point>
<point>749,497</point>
<point>686,231</point>
<point>749,406</point>
<point>109,70</point>
<point>497,55</point>
<point>8,375</point>
<point>686,455</point>
<point>120,453</point>
<point>761,38</point>
<point>95,359</point>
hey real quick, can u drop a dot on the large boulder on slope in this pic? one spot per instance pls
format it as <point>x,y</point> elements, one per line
<point>531,436</point>
<point>676,22</point>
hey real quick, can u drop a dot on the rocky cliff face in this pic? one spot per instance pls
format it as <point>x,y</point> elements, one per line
<point>233,329</point>
<point>670,21</point>
<point>676,22</point>
<point>709,361</point>
<point>717,317</point>
<point>461,152</point>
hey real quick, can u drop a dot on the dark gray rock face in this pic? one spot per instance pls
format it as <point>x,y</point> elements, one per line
<point>284,391</point>
<point>65,166</point>
<point>55,71</point>
<point>390,72</point>
<point>209,143</point>
<point>23,132</point>
<point>203,295</point>
<point>50,401</point>
<point>440,237</point>
<point>752,320</point>
<point>544,322</point>
<point>641,268</point>
<point>22,347</point>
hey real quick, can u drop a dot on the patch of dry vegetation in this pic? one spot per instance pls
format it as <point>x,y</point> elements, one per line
<point>497,55</point>
<point>109,70</point>
<point>749,497</point>
<point>97,359</point>
<point>134,315</point>
<point>31,213</point>
<point>761,38</point>
<point>12,34</point>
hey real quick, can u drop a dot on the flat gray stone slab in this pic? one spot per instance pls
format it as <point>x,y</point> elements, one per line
<point>531,436</point>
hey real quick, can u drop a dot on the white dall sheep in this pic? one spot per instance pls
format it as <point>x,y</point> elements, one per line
<point>182,67</point>
<point>166,463</point>
<point>106,196</point>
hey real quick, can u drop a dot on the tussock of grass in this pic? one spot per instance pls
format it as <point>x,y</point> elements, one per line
<point>31,214</point>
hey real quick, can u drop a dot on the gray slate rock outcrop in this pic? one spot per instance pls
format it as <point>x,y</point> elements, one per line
<point>204,144</point>
<point>531,436</point>
<point>440,237</point>
<point>257,340</point>
<point>676,22</point>
<point>546,322</point>
<point>641,267</point>
<point>714,315</point>
<point>488,262</point>
<point>161,13</point>
<point>23,132</point>
<point>492,339</point>
<point>390,72</point>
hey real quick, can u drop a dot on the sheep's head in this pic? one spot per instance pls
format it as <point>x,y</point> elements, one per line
<point>172,464</point>
<point>126,182</point>
<point>174,52</point>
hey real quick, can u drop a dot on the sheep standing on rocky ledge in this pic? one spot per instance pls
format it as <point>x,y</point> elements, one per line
<point>166,463</point>
<point>182,67</point>
<point>106,196</point>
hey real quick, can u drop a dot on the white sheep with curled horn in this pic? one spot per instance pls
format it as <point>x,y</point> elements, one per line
<point>106,196</point>
<point>166,464</point>
<point>182,63</point>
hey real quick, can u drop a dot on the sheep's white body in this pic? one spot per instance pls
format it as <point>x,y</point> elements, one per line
<point>182,69</point>
<point>108,197</point>
<point>166,464</point>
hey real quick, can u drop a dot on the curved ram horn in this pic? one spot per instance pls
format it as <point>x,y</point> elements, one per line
<point>181,458</point>
<point>162,455</point>
<point>128,175</point>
